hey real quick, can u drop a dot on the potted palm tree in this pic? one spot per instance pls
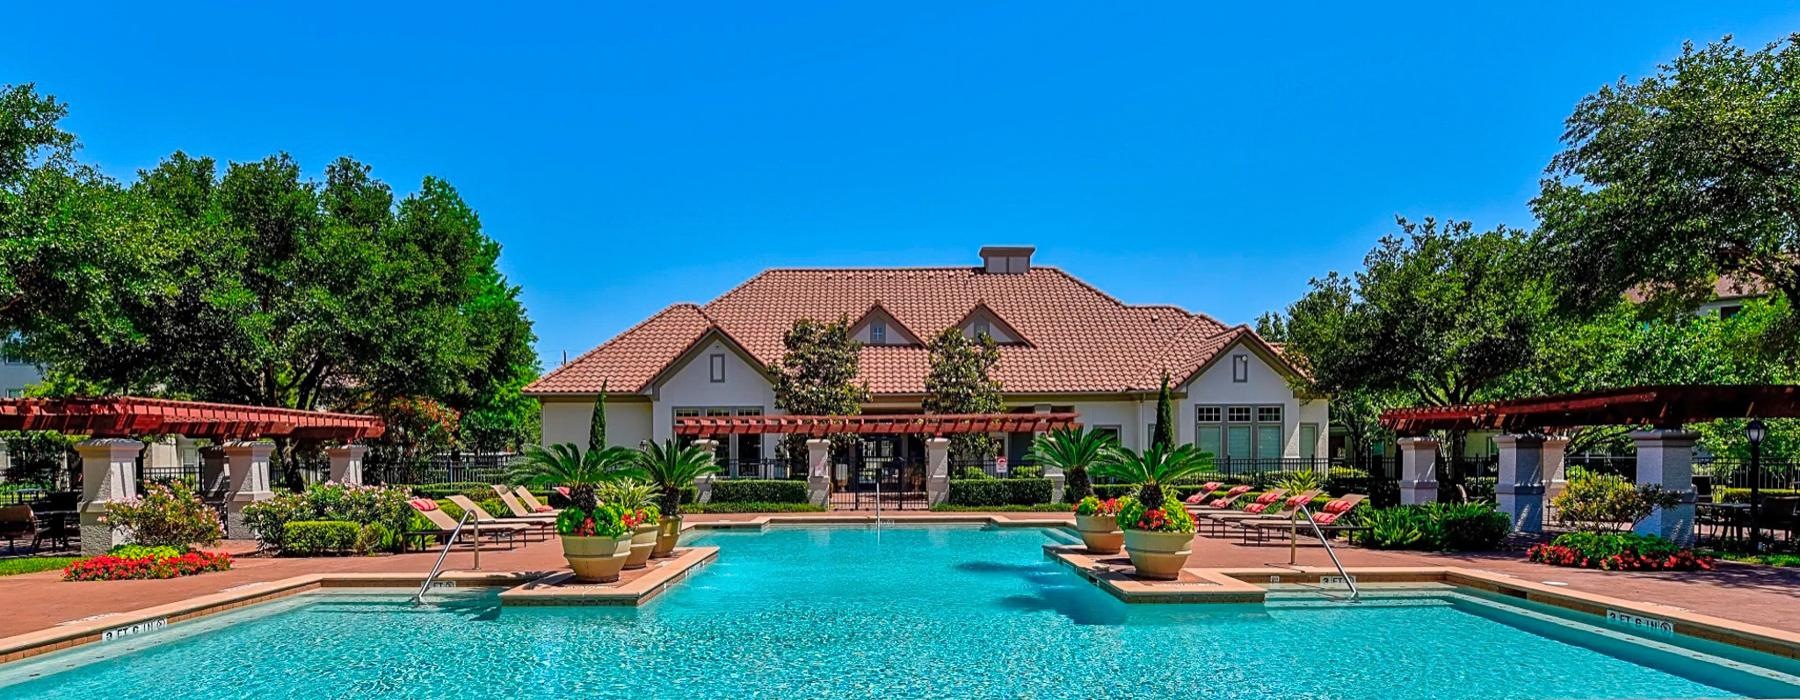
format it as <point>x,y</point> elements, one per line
<point>1159,533</point>
<point>672,467</point>
<point>1075,451</point>
<point>638,500</point>
<point>595,538</point>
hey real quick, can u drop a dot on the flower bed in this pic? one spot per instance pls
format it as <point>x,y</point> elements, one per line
<point>1616,551</point>
<point>133,562</point>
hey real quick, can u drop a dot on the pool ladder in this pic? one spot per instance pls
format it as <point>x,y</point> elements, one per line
<point>1348,581</point>
<point>438,568</point>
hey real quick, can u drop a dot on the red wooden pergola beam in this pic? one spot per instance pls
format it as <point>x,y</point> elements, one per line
<point>1661,406</point>
<point>905,424</point>
<point>130,416</point>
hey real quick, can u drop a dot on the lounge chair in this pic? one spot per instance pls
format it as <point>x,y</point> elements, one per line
<point>1221,503</point>
<point>1205,492</point>
<point>1258,511</point>
<point>443,526</point>
<point>541,524</point>
<point>518,509</point>
<point>531,501</point>
<point>1327,519</point>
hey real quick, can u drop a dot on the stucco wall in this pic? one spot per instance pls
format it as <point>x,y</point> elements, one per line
<point>627,422</point>
<point>691,386</point>
<point>1265,387</point>
<point>1123,414</point>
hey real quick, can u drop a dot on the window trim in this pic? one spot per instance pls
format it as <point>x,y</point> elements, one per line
<point>878,332</point>
<point>716,367</point>
<point>1240,368</point>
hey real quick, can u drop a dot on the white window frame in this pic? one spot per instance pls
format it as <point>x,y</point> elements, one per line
<point>716,367</point>
<point>878,333</point>
<point>1240,368</point>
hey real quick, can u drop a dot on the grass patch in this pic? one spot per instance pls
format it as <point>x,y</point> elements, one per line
<point>32,565</point>
<point>1033,508</point>
<point>750,507</point>
<point>1790,560</point>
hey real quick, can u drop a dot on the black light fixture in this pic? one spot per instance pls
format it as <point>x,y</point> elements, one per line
<point>1755,431</point>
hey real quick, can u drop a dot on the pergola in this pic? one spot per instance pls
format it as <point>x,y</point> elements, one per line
<point>1531,458</point>
<point>909,424</point>
<point>238,465</point>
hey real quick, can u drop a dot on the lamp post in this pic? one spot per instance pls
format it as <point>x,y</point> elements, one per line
<point>1755,432</point>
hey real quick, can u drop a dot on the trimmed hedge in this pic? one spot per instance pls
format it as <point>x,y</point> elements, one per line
<point>314,537</point>
<point>758,491</point>
<point>1737,495</point>
<point>749,507</point>
<point>998,492</point>
<point>473,489</point>
<point>1033,508</point>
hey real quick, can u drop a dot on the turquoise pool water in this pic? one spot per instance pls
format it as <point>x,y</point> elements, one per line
<point>937,612</point>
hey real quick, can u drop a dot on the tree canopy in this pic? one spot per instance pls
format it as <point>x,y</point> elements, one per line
<point>818,375</point>
<point>255,284</point>
<point>961,381</point>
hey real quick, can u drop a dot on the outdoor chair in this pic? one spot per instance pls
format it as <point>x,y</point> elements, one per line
<point>531,501</point>
<point>1221,503</point>
<point>443,526</point>
<point>1257,511</point>
<point>18,523</point>
<point>1327,519</point>
<point>541,524</point>
<point>1205,492</point>
<point>514,506</point>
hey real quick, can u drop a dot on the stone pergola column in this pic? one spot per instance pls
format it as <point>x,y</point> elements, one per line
<point>818,472</point>
<point>215,471</point>
<point>704,483</point>
<point>108,474</point>
<point>937,470</point>
<point>1418,470</point>
<point>347,463</point>
<point>1556,467</point>
<point>1666,457</point>
<point>1520,488</point>
<point>247,483</point>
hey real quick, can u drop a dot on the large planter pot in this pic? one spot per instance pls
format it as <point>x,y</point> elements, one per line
<point>1100,533</point>
<point>667,533</point>
<point>1158,555</point>
<point>643,541</point>
<point>596,559</point>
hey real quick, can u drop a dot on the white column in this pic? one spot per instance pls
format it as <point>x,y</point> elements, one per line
<point>1418,470</point>
<point>347,463</point>
<point>1666,457</point>
<point>704,483</point>
<point>1556,466</point>
<point>247,483</point>
<point>818,472</point>
<point>937,470</point>
<point>1520,488</point>
<point>108,473</point>
<point>215,472</point>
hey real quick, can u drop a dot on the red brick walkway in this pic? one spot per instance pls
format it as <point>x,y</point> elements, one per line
<point>1758,595</point>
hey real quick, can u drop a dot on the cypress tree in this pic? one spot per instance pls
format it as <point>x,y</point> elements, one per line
<point>597,428</point>
<point>1163,433</point>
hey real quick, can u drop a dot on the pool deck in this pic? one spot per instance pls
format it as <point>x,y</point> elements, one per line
<point>42,603</point>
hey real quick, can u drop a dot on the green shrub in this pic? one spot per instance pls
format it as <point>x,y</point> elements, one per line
<point>138,551</point>
<point>974,474</point>
<point>759,491</point>
<point>1617,551</point>
<point>998,492</point>
<point>749,507</point>
<point>166,515</point>
<point>315,537</point>
<point>356,504</point>
<point>1267,480</point>
<point>1595,502</point>
<point>455,488</point>
<point>1470,527</point>
<point>1481,489</point>
<point>1033,508</point>
<point>1030,471</point>
<point>374,537</point>
<point>1737,495</point>
<point>1400,527</point>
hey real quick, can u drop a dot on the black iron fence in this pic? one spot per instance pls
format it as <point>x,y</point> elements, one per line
<point>893,484</point>
<point>418,470</point>
<point>762,469</point>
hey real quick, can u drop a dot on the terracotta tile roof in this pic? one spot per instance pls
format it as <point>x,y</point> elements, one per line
<point>1081,339</point>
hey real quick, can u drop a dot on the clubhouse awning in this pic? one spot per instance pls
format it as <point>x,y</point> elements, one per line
<point>130,416</point>
<point>1655,406</point>
<point>911,424</point>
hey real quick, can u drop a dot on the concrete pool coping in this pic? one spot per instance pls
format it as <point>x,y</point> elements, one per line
<point>1240,585</point>
<point>1200,585</point>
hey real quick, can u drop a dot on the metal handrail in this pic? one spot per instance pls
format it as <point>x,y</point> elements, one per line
<point>419,598</point>
<point>1348,581</point>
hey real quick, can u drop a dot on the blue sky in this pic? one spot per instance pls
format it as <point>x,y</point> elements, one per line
<point>629,156</point>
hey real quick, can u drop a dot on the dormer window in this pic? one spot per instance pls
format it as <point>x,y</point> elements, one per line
<point>878,333</point>
<point>981,328</point>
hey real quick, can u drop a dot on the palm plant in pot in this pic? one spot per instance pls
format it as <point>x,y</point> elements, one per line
<point>595,538</point>
<point>1075,451</point>
<point>638,500</point>
<point>1159,533</point>
<point>672,467</point>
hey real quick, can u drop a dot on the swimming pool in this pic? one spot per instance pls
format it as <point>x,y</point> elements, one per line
<point>902,612</point>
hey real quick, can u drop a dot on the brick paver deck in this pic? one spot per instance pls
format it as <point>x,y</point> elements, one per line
<point>1759,595</point>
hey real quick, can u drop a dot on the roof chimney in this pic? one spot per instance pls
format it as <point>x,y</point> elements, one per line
<point>1006,259</point>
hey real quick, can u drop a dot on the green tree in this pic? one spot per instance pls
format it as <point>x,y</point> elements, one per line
<point>597,424</point>
<point>1162,432</point>
<point>582,473</point>
<point>1154,469</point>
<point>818,376</point>
<point>1074,451</point>
<point>961,381</point>
<point>1671,181</point>
<point>673,467</point>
